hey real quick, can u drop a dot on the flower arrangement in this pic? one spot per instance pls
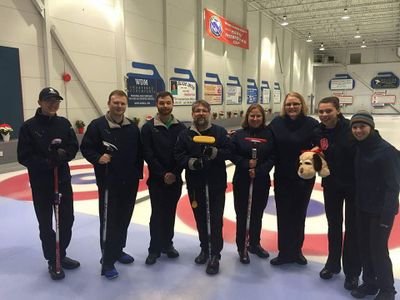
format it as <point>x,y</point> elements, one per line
<point>5,129</point>
<point>79,124</point>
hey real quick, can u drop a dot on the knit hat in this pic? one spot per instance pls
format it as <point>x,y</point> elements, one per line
<point>362,116</point>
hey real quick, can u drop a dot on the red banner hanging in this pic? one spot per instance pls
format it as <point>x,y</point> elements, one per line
<point>225,31</point>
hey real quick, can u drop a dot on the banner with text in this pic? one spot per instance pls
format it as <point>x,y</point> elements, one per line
<point>225,31</point>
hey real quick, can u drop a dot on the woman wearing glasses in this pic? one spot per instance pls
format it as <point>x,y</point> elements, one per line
<point>292,132</point>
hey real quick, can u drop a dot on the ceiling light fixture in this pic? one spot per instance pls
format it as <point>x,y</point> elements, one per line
<point>357,35</point>
<point>345,16</point>
<point>309,39</point>
<point>284,22</point>
<point>321,47</point>
<point>363,45</point>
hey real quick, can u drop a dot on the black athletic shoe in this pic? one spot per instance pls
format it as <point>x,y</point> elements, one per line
<point>213,265</point>
<point>259,251</point>
<point>327,273</point>
<point>385,295</point>
<point>125,258</point>
<point>301,260</point>
<point>364,290</point>
<point>244,258</point>
<point>110,272</point>
<point>277,261</point>
<point>69,263</point>
<point>152,258</point>
<point>351,283</point>
<point>53,274</point>
<point>202,258</point>
<point>171,252</point>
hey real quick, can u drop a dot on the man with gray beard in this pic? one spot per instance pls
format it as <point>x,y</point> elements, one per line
<point>205,166</point>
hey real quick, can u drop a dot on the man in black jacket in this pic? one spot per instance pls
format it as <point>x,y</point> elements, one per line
<point>165,183</point>
<point>46,144</point>
<point>117,173</point>
<point>205,168</point>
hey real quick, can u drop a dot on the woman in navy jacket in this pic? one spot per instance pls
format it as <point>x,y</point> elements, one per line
<point>377,172</point>
<point>253,127</point>
<point>333,136</point>
<point>292,133</point>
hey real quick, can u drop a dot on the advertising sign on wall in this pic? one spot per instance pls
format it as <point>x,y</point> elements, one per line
<point>233,91</point>
<point>385,80</point>
<point>143,88</point>
<point>276,93</point>
<point>265,92</point>
<point>252,91</point>
<point>341,82</point>
<point>184,90</point>
<point>225,31</point>
<point>213,90</point>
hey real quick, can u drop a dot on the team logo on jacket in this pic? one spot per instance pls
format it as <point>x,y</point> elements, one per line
<point>324,144</point>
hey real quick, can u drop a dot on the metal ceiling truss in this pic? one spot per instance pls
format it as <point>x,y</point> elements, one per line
<point>378,21</point>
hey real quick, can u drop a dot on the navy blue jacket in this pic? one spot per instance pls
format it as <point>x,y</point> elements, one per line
<point>158,148</point>
<point>338,146</point>
<point>33,152</point>
<point>290,138</point>
<point>377,170</point>
<point>215,174</point>
<point>127,162</point>
<point>242,153</point>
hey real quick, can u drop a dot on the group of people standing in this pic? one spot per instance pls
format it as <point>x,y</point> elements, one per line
<point>365,176</point>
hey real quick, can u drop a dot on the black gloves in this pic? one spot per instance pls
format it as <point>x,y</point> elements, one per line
<point>198,164</point>
<point>57,157</point>
<point>211,152</point>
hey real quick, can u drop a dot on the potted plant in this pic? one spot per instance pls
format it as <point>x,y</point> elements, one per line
<point>241,113</point>
<point>136,120</point>
<point>5,130</point>
<point>214,115</point>
<point>80,126</point>
<point>229,114</point>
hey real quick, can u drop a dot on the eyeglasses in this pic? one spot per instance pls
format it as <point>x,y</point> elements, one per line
<point>294,104</point>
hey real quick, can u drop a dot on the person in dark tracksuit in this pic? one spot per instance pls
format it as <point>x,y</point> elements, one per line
<point>118,172</point>
<point>292,133</point>
<point>40,157</point>
<point>377,172</point>
<point>253,126</point>
<point>205,167</point>
<point>333,137</point>
<point>159,136</point>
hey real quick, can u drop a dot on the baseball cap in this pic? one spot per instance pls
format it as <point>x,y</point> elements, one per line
<point>48,93</point>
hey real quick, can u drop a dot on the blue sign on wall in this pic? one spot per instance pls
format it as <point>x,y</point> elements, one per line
<point>252,91</point>
<point>385,80</point>
<point>143,88</point>
<point>184,90</point>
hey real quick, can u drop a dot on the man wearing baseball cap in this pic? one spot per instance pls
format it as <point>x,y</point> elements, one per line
<point>46,144</point>
<point>377,173</point>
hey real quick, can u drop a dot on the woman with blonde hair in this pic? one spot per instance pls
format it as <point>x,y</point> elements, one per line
<point>292,132</point>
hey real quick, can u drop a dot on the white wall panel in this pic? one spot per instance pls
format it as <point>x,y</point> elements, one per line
<point>20,27</point>
<point>144,51</point>
<point>96,14</point>
<point>85,39</point>
<point>149,9</point>
<point>144,28</point>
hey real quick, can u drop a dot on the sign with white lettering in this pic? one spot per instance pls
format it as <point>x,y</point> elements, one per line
<point>143,88</point>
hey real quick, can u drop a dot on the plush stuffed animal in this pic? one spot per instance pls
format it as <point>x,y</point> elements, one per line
<point>311,162</point>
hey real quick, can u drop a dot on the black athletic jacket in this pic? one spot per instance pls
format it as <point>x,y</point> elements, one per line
<point>34,140</point>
